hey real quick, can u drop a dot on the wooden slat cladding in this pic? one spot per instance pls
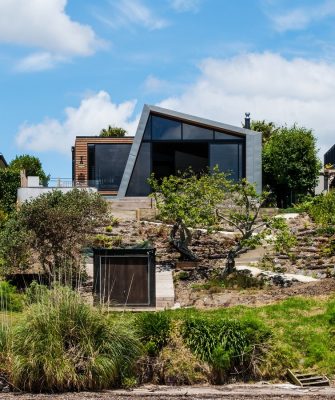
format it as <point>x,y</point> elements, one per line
<point>81,154</point>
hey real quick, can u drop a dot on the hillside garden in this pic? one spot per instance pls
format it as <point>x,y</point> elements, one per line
<point>230,324</point>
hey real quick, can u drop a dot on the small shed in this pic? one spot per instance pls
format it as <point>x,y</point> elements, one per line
<point>124,277</point>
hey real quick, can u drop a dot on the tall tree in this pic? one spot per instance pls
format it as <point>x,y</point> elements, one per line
<point>266,128</point>
<point>32,165</point>
<point>290,163</point>
<point>9,183</point>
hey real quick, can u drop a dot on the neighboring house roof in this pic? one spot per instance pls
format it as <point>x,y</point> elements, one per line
<point>251,136</point>
<point>3,162</point>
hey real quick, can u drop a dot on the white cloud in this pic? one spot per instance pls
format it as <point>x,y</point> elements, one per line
<point>38,62</point>
<point>45,25</point>
<point>267,85</point>
<point>185,5</point>
<point>133,12</point>
<point>300,18</point>
<point>95,112</point>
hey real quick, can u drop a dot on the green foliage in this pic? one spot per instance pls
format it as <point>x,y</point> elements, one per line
<point>109,228</point>
<point>189,197</point>
<point>266,128</point>
<point>15,245</point>
<point>10,300</point>
<point>227,345</point>
<point>5,342</point>
<point>284,241</point>
<point>113,131</point>
<point>114,221</point>
<point>321,208</point>
<point>35,293</point>
<point>9,183</point>
<point>107,242</point>
<point>60,224</point>
<point>153,330</point>
<point>32,166</point>
<point>290,163</point>
<point>63,344</point>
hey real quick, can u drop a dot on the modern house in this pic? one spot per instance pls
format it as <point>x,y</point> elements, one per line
<point>165,142</point>
<point>3,162</point>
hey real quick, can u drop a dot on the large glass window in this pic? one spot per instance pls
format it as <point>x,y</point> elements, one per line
<point>138,185</point>
<point>227,157</point>
<point>225,136</point>
<point>147,132</point>
<point>192,132</point>
<point>171,158</point>
<point>165,129</point>
<point>110,162</point>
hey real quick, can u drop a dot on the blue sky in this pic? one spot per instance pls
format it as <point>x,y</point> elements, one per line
<point>72,67</point>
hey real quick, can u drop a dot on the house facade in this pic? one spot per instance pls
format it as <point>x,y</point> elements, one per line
<point>165,142</point>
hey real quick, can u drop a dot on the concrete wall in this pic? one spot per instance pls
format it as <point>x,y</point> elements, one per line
<point>24,194</point>
<point>254,159</point>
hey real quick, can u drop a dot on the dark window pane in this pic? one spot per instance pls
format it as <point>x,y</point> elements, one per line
<point>226,157</point>
<point>138,185</point>
<point>165,129</point>
<point>110,162</point>
<point>171,158</point>
<point>226,136</point>
<point>192,132</point>
<point>91,162</point>
<point>240,160</point>
<point>147,132</point>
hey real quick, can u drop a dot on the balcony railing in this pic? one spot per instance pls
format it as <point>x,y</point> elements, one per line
<point>69,183</point>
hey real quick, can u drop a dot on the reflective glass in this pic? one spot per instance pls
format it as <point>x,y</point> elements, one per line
<point>165,129</point>
<point>226,136</point>
<point>110,162</point>
<point>226,157</point>
<point>138,185</point>
<point>192,132</point>
<point>147,132</point>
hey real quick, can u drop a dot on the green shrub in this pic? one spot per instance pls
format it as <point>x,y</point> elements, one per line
<point>115,221</point>
<point>109,228</point>
<point>321,208</point>
<point>229,346</point>
<point>63,344</point>
<point>10,300</point>
<point>154,330</point>
<point>4,348</point>
<point>108,242</point>
<point>35,293</point>
<point>284,241</point>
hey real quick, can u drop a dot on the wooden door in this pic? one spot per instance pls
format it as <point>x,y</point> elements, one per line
<point>124,280</point>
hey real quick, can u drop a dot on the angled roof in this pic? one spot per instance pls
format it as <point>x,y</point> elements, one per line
<point>196,120</point>
<point>154,110</point>
<point>3,162</point>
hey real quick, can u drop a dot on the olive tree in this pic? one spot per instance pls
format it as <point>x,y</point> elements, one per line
<point>241,210</point>
<point>213,200</point>
<point>188,201</point>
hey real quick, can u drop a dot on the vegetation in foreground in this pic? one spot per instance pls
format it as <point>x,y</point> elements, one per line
<point>58,343</point>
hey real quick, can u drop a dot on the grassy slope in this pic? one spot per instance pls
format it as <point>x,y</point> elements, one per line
<point>303,336</point>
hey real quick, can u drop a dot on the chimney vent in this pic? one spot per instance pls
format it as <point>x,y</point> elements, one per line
<point>247,120</point>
